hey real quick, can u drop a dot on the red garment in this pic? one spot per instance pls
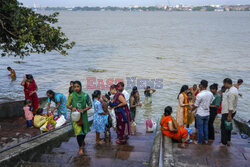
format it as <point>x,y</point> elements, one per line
<point>34,98</point>
<point>219,109</point>
<point>197,93</point>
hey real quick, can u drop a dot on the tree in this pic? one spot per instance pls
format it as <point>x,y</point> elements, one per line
<point>23,31</point>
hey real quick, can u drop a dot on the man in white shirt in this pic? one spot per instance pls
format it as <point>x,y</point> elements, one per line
<point>124,92</point>
<point>202,103</point>
<point>229,104</point>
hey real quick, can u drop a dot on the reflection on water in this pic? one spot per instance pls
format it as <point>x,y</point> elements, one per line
<point>193,46</point>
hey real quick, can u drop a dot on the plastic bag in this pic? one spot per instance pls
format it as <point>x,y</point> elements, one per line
<point>60,121</point>
<point>134,126</point>
<point>113,117</point>
<point>49,125</point>
<point>228,126</point>
<point>75,116</point>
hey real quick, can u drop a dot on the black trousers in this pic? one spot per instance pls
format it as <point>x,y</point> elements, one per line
<point>80,139</point>
<point>225,134</point>
<point>212,116</point>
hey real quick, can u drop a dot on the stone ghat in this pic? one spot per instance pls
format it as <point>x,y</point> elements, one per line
<point>207,155</point>
<point>136,152</point>
<point>14,131</point>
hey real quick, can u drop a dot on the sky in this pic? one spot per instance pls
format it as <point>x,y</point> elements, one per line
<point>121,3</point>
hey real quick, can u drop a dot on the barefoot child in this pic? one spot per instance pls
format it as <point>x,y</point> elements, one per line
<point>99,116</point>
<point>28,113</point>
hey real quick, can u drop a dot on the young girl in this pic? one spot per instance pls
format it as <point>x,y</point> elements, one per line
<point>99,116</point>
<point>79,101</point>
<point>28,113</point>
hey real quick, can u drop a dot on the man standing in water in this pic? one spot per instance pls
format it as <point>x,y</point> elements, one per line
<point>239,82</point>
<point>202,104</point>
<point>12,73</point>
<point>229,104</point>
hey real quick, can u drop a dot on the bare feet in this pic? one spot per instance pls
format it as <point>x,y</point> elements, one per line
<point>182,145</point>
<point>195,142</point>
<point>80,152</point>
<point>100,142</point>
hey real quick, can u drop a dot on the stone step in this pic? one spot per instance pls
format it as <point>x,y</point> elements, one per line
<point>38,164</point>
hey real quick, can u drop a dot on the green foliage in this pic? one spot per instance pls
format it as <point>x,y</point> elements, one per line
<point>22,31</point>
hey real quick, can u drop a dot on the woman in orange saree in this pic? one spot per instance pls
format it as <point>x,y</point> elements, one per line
<point>171,128</point>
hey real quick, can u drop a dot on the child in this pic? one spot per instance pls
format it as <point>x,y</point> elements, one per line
<point>108,120</point>
<point>39,119</point>
<point>28,113</point>
<point>99,116</point>
<point>71,88</point>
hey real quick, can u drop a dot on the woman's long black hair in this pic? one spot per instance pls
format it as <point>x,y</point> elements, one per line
<point>168,111</point>
<point>183,89</point>
<point>51,92</point>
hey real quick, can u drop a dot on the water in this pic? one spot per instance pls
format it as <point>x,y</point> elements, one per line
<point>195,45</point>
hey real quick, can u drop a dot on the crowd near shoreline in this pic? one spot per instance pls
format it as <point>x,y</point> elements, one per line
<point>117,110</point>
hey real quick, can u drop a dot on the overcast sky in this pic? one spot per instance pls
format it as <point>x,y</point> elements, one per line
<point>73,3</point>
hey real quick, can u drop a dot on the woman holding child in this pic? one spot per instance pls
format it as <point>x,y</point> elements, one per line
<point>123,127</point>
<point>79,101</point>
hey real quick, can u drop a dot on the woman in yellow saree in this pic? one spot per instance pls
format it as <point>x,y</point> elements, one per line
<point>171,128</point>
<point>182,109</point>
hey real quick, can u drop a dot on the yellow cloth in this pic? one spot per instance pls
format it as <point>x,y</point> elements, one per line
<point>185,109</point>
<point>190,116</point>
<point>39,121</point>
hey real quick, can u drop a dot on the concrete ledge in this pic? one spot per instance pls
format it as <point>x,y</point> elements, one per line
<point>15,108</point>
<point>33,148</point>
<point>168,158</point>
<point>242,125</point>
<point>155,154</point>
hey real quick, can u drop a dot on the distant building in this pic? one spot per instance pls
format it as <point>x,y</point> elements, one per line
<point>219,9</point>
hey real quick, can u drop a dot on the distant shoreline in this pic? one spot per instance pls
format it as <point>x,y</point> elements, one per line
<point>208,8</point>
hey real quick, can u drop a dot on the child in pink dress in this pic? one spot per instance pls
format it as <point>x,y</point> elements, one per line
<point>28,113</point>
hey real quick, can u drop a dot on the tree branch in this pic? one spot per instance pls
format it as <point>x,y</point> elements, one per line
<point>7,30</point>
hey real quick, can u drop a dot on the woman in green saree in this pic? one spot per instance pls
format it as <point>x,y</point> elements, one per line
<point>78,102</point>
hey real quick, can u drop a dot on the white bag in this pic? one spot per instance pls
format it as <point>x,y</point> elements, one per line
<point>60,121</point>
<point>75,116</point>
<point>113,117</point>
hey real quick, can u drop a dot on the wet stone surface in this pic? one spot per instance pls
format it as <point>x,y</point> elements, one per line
<point>135,153</point>
<point>14,131</point>
<point>212,154</point>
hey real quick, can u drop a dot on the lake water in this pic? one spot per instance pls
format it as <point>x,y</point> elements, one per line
<point>193,45</point>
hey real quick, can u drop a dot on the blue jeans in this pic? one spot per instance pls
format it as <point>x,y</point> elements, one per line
<point>202,125</point>
<point>29,123</point>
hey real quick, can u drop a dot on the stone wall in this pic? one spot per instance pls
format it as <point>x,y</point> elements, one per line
<point>15,108</point>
